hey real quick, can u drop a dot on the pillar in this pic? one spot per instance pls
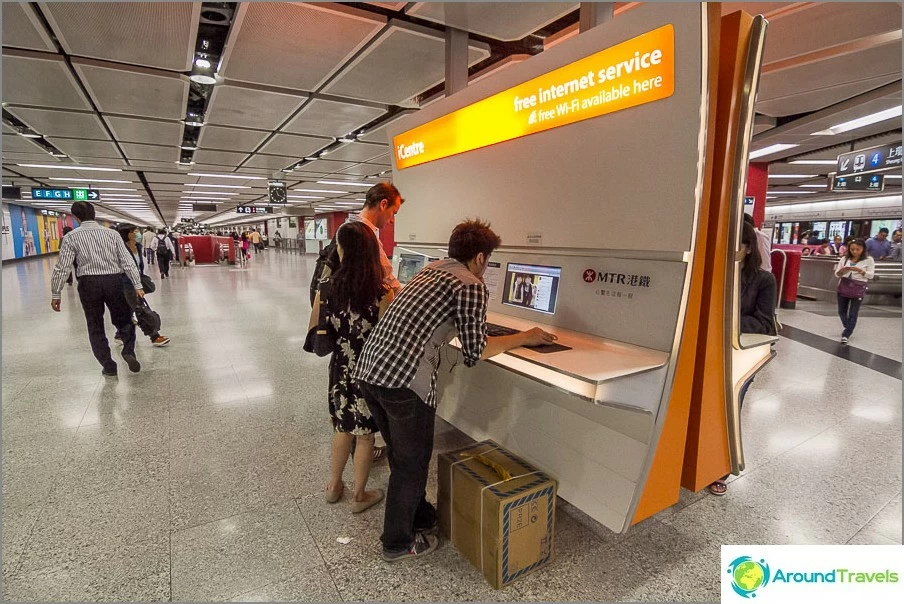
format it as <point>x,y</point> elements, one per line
<point>757,184</point>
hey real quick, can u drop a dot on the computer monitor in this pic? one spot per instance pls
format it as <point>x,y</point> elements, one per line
<point>409,265</point>
<point>532,286</point>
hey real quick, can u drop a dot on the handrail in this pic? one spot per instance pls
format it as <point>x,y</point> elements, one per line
<point>781,281</point>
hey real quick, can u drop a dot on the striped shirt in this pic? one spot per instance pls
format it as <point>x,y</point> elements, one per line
<point>442,301</point>
<point>98,251</point>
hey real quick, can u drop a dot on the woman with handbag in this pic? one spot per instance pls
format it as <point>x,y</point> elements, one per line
<point>855,269</point>
<point>348,305</point>
<point>127,232</point>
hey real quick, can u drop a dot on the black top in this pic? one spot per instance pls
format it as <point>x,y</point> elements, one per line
<point>758,304</point>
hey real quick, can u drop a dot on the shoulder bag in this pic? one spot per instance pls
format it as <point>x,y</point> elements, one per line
<point>147,284</point>
<point>321,339</point>
<point>852,288</point>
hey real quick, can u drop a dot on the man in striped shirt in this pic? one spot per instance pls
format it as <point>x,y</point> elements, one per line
<point>397,374</point>
<point>102,260</point>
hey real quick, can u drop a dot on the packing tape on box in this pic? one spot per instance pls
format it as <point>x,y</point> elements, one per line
<point>489,486</point>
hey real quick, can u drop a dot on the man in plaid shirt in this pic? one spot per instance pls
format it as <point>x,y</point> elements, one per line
<point>397,374</point>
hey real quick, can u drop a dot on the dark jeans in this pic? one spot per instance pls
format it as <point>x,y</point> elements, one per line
<point>848,309</point>
<point>149,255</point>
<point>96,292</point>
<point>163,261</point>
<point>407,424</point>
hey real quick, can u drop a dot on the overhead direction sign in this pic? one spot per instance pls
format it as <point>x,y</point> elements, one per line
<point>635,72</point>
<point>73,194</point>
<point>858,182</point>
<point>254,210</point>
<point>872,159</point>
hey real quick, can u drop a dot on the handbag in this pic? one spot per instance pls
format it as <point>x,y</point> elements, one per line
<point>321,339</point>
<point>148,320</point>
<point>851,288</point>
<point>147,284</point>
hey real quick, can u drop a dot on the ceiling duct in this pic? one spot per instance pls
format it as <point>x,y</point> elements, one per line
<point>216,13</point>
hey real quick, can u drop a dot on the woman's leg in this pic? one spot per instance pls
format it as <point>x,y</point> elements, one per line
<point>853,312</point>
<point>342,445</point>
<point>843,305</point>
<point>364,458</point>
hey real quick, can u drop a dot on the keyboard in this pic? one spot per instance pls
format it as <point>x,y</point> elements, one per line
<point>494,330</point>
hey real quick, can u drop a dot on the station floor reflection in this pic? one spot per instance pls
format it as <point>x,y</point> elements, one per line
<point>200,478</point>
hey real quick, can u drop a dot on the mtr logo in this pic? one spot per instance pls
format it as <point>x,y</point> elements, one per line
<point>589,275</point>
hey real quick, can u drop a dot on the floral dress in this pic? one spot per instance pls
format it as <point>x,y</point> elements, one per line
<point>348,409</point>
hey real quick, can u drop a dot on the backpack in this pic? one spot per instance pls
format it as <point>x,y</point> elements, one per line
<point>327,262</point>
<point>148,320</point>
<point>162,250</point>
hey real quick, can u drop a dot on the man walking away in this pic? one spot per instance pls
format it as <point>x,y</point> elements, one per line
<point>397,374</point>
<point>102,260</point>
<point>165,251</point>
<point>256,241</point>
<point>147,241</point>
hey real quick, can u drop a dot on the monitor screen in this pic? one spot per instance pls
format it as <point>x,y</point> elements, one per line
<point>409,265</point>
<point>532,286</point>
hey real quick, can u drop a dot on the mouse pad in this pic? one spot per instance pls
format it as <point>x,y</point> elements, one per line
<point>547,348</point>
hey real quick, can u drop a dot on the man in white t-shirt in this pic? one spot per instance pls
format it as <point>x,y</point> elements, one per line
<point>763,245</point>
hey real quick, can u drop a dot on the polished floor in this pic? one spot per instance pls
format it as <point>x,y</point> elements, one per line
<point>200,477</point>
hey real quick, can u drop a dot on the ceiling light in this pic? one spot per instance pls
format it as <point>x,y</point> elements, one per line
<point>791,175</point>
<point>194,119</point>
<point>69,167</point>
<point>770,197</point>
<point>319,191</point>
<point>57,154</point>
<point>770,150</point>
<point>182,162</point>
<point>90,180</point>
<point>304,197</point>
<point>860,122</point>
<point>202,63</point>
<point>814,186</point>
<point>201,184</point>
<point>349,138</point>
<point>349,183</point>
<point>209,193</point>
<point>241,176</point>
<point>311,158</point>
<point>348,203</point>
<point>815,162</point>
<point>25,132</point>
<point>791,192</point>
<point>189,147</point>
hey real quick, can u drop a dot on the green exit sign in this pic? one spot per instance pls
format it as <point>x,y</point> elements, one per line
<point>85,195</point>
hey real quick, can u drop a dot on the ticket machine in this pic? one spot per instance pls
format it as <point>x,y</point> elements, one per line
<point>595,163</point>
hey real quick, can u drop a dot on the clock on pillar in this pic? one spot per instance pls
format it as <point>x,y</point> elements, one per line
<point>277,191</point>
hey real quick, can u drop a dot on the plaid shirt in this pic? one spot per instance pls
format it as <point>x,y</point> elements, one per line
<point>406,342</point>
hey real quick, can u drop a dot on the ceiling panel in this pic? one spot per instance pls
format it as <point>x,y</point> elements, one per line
<point>295,146</point>
<point>23,29</point>
<point>383,160</point>
<point>231,139</point>
<point>364,169</point>
<point>276,34</point>
<point>11,158</point>
<point>161,177</point>
<point>235,106</point>
<point>498,20</point>
<point>155,132</point>
<point>101,161</point>
<point>134,92</point>
<point>327,166</point>
<point>44,82</point>
<point>272,162</point>
<point>405,61</point>
<point>62,123</point>
<point>219,158</point>
<point>150,152</point>
<point>18,144</point>
<point>809,101</point>
<point>378,134</point>
<point>85,148</point>
<point>358,152</point>
<point>331,118</point>
<point>155,34</point>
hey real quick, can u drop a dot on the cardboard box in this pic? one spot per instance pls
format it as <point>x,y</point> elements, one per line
<point>498,510</point>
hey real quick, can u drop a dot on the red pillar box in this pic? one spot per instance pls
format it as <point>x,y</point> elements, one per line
<point>791,279</point>
<point>757,184</point>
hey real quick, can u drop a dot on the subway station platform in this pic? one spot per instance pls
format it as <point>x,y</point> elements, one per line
<point>200,478</point>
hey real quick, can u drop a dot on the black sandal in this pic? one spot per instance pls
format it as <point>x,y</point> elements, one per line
<point>379,454</point>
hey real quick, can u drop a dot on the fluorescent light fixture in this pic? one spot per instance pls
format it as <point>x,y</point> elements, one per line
<point>112,189</point>
<point>791,192</point>
<point>28,133</point>
<point>91,180</point>
<point>349,203</point>
<point>123,195</point>
<point>814,186</point>
<point>345,183</point>
<point>815,162</point>
<point>347,139</point>
<point>189,147</point>
<point>243,177</point>
<point>792,175</point>
<point>770,197</point>
<point>304,197</point>
<point>770,150</point>
<point>69,167</point>
<point>206,199</point>
<point>860,122</point>
<point>319,191</point>
<point>201,184</point>
<point>208,193</point>
<point>888,176</point>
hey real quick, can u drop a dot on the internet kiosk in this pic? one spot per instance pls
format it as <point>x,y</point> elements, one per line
<point>595,163</point>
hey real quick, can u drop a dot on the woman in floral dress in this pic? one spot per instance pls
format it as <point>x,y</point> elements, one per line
<point>355,298</point>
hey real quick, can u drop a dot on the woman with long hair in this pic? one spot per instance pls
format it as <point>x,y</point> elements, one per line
<point>855,269</point>
<point>757,307</point>
<point>355,298</point>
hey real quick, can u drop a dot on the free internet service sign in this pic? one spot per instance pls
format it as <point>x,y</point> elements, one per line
<point>637,71</point>
<point>813,573</point>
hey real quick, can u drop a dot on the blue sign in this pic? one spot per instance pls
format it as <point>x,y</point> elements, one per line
<point>859,182</point>
<point>65,194</point>
<point>882,157</point>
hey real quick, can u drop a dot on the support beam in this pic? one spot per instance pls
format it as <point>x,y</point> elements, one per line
<point>595,13</point>
<point>456,60</point>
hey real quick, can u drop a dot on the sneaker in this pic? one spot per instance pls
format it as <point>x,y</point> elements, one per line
<point>117,340</point>
<point>160,341</point>
<point>844,340</point>
<point>422,546</point>
<point>132,362</point>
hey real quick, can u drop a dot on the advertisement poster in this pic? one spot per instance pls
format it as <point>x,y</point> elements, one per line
<point>293,222</point>
<point>7,236</point>
<point>309,230</point>
<point>30,232</point>
<point>320,228</point>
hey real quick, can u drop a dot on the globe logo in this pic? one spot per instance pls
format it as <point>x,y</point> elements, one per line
<point>748,575</point>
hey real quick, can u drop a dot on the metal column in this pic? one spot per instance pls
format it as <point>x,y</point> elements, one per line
<point>595,13</point>
<point>456,60</point>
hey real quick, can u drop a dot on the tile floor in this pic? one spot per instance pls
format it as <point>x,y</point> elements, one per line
<point>200,477</point>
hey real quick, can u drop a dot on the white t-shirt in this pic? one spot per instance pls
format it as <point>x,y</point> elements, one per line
<point>867,264</point>
<point>765,248</point>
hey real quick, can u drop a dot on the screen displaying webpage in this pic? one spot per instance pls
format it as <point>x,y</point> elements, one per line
<point>532,286</point>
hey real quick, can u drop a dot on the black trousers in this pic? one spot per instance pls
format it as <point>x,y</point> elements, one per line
<point>848,311</point>
<point>99,291</point>
<point>163,261</point>
<point>407,424</point>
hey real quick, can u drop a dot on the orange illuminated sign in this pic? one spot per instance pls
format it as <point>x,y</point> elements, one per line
<point>638,71</point>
